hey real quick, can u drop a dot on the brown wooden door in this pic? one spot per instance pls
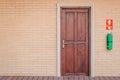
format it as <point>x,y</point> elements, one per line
<point>75,31</point>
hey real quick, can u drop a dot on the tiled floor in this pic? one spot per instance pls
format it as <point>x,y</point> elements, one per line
<point>56,78</point>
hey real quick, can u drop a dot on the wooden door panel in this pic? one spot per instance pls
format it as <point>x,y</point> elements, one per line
<point>75,41</point>
<point>81,33</point>
<point>69,61</point>
<point>80,65</point>
<point>69,48</point>
<point>69,26</point>
<point>81,61</point>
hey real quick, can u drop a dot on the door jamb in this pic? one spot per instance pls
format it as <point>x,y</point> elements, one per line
<point>92,36</point>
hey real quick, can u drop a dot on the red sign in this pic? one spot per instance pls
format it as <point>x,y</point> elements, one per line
<point>109,24</point>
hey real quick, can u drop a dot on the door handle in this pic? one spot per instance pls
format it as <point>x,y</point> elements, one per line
<point>63,45</point>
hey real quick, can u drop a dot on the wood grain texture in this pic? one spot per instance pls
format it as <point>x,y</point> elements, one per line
<point>75,32</point>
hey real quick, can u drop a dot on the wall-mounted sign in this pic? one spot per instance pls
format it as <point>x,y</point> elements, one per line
<point>109,24</point>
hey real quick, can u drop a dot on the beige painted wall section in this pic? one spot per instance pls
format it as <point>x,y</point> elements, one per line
<point>28,37</point>
<point>107,63</point>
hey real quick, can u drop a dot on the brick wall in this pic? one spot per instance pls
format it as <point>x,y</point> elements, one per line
<point>28,37</point>
<point>107,63</point>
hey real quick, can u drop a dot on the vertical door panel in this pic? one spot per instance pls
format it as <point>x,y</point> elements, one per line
<point>81,18</point>
<point>69,62</point>
<point>69,48</point>
<point>69,26</point>
<point>80,59</point>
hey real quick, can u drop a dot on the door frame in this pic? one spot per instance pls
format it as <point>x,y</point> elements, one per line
<point>91,35</point>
